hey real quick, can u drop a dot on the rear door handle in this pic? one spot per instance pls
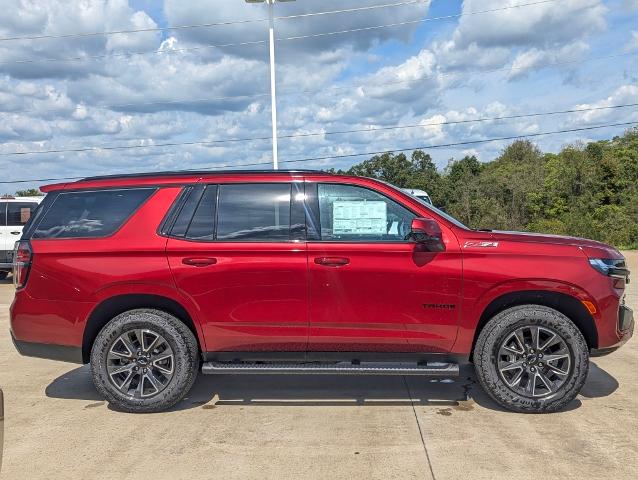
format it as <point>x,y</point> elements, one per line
<point>199,262</point>
<point>332,261</point>
<point>15,233</point>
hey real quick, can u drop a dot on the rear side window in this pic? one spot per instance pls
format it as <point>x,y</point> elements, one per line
<point>254,212</point>
<point>90,214</point>
<point>19,213</point>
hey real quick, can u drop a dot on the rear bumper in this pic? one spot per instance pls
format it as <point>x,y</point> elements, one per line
<point>40,326</point>
<point>626,331</point>
<point>62,353</point>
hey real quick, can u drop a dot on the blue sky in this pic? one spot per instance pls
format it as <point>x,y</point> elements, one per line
<point>541,57</point>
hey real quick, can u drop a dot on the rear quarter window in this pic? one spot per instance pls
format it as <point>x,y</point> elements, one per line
<point>90,214</point>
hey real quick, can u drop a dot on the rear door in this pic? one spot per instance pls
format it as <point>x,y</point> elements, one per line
<point>241,258</point>
<point>18,214</point>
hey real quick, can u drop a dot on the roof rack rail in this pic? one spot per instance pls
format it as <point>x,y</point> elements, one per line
<point>198,172</point>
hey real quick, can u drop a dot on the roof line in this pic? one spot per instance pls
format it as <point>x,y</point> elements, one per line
<point>173,173</point>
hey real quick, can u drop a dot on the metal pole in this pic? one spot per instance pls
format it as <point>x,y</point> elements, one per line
<point>273,92</point>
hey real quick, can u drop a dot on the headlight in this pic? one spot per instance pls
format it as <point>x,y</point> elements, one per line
<point>610,267</point>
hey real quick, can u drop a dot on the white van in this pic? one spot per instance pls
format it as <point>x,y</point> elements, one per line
<point>14,213</point>
<point>420,194</point>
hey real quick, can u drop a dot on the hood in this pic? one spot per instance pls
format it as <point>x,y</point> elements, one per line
<point>592,248</point>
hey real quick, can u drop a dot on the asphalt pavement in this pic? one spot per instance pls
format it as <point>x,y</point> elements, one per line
<point>315,427</point>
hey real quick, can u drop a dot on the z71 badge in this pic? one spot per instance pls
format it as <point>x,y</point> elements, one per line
<point>480,244</point>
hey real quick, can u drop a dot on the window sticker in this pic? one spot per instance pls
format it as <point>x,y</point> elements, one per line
<point>25,214</point>
<point>359,218</point>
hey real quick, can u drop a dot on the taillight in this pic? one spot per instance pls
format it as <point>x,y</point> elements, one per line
<point>22,257</point>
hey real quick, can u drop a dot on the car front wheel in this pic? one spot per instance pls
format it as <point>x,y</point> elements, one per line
<point>144,360</point>
<point>531,358</point>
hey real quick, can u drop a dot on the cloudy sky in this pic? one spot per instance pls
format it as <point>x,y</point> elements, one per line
<point>438,61</point>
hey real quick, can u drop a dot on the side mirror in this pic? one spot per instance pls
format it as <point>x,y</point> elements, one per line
<point>426,232</point>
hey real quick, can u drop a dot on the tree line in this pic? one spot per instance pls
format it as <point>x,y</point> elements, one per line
<point>586,190</point>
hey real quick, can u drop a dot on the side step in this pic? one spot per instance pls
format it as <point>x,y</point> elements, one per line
<point>340,368</point>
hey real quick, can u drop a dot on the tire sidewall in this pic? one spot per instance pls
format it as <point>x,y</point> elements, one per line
<point>501,326</point>
<point>185,359</point>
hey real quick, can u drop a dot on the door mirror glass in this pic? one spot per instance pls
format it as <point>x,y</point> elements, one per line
<point>426,232</point>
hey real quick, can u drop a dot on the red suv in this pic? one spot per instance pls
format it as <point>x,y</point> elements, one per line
<point>152,277</point>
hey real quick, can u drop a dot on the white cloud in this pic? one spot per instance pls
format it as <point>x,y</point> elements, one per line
<point>52,17</point>
<point>486,41</point>
<point>623,95</point>
<point>179,12</point>
<point>632,44</point>
<point>535,59</point>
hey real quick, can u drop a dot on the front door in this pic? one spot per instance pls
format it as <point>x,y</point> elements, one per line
<point>370,288</point>
<point>242,260</point>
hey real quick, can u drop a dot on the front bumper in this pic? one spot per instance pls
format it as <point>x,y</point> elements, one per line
<point>626,331</point>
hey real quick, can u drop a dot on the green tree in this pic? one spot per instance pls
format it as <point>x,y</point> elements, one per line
<point>31,192</point>
<point>588,190</point>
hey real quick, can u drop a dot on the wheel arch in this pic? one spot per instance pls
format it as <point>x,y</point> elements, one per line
<point>566,304</point>
<point>113,306</point>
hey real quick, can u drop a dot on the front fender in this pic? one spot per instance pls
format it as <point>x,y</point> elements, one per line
<point>474,306</point>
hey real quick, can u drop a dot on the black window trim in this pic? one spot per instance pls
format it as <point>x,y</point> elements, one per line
<point>6,214</point>
<point>153,189</point>
<point>166,225</point>
<point>201,194</point>
<point>314,208</point>
<point>293,214</point>
<point>39,214</point>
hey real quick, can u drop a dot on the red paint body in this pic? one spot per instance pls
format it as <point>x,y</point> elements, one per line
<point>305,296</point>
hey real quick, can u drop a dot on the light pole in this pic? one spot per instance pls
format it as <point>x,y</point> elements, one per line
<point>273,83</point>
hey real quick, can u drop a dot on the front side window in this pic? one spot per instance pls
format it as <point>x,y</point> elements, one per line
<point>19,213</point>
<point>3,214</point>
<point>254,212</point>
<point>351,213</point>
<point>90,214</point>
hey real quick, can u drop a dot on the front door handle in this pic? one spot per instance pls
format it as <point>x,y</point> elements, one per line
<point>332,261</point>
<point>199,262</point>
<point>15,233</point>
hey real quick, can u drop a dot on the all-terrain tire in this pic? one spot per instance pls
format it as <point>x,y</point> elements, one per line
<point>185,365</point>
<point>499,328</point>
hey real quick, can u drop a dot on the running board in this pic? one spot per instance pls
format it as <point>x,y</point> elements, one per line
<point>341,368</point>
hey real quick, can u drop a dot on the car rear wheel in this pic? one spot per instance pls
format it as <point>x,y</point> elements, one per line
<point>144,361</point>
<point>531,358</point>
